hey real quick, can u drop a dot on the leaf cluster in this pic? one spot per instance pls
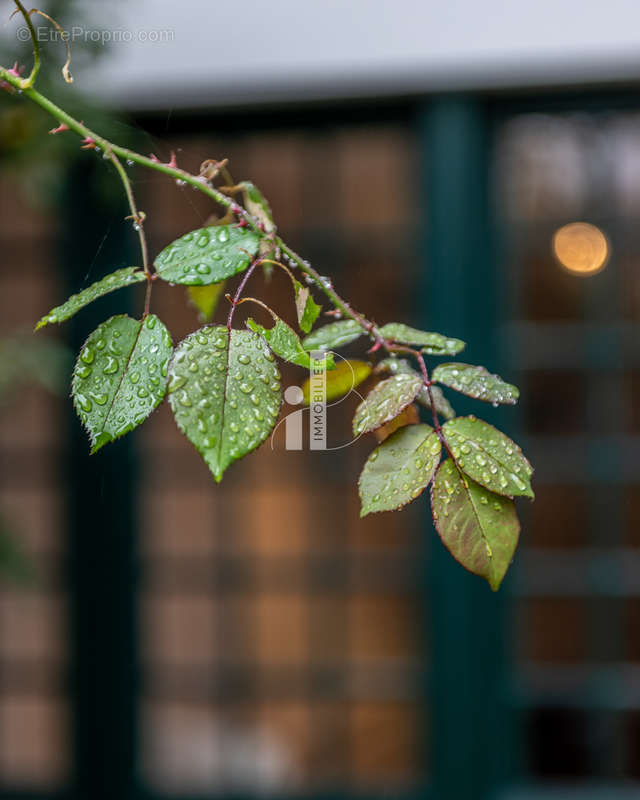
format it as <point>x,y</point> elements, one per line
<point>224,388</point>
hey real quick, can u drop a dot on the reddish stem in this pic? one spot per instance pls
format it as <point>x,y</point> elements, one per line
<point>240,289</point>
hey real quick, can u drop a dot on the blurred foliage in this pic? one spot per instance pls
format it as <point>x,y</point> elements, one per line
<point>25,362</point>
<point>38,161</point>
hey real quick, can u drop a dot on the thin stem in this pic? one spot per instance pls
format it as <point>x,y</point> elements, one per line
<point>115,152</point>
<point>138,218</point>
<point>257,302</point>
<point>26,83</point>
<point>202,185</point>
<point>138,222</point>
<point>236,298</point>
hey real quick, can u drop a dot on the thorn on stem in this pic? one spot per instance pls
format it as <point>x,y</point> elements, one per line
<point>88,143</point>
<point>210,168</point>
<point>60,129</point>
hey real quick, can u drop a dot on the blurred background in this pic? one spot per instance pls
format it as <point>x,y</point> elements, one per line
<point>469,168</point>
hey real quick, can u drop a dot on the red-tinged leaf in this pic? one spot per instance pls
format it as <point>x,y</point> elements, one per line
<point>478,527</point>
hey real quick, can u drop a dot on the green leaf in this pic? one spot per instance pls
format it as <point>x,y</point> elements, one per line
<point>335,334</point>
<point>340,381</point>
<point>385,401</point>
<point>257,205</point>
<point>116,280</point>
<point>208,255</point>
<point>206,299</point>
<point>224,390</point>
<point>434,344</point>
<point>476,382</point>
<point>399,469</point>
<point>489,457</point>
<point>479,528</point>
<point>284,342</point>
<point>306,307</point>
<point>442,405</point>
<point>120,376</point>
<point>400,366</point>
<point>44,362</point>
<point>395,366</point>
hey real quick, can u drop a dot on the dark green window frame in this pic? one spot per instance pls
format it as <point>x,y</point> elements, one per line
<point>475,753</point>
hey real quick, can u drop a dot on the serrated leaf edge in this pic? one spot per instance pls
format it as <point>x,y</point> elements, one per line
<point>400,506</point>
<point>491,581</point>
<point>388,419</point>
<point>95,446</point>
<point>529,495</point>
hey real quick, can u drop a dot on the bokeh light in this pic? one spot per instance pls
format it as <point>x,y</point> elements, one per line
<point>581,248</point>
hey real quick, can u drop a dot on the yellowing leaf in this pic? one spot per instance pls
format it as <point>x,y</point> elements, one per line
<point>409,416</point>
<point>206,299</point>
<point>341,380</point>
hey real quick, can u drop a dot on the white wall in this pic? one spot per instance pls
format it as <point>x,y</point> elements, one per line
<point>246,50</point>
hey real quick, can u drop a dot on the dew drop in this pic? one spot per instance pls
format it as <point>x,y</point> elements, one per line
<point>87,355</point>
<point>84,403</point>
<point>176,382</point>
<point>111,366</point>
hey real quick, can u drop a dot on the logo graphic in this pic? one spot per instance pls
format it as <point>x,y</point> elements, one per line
<point>316,408</point>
